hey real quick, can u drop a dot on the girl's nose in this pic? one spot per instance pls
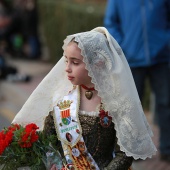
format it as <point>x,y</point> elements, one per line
<point>68,68</point>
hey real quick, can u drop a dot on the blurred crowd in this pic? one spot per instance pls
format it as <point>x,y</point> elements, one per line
<point>18,35</point>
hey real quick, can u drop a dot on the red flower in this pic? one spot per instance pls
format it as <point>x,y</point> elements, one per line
<point>2,147</point>
<point>25,138</point>
<point>5,140</point>
<point>31,127</point>
<point>2,135</point>
<point>28,139</point>
<point>14,127</point>
<point>29,136</point>
<point>9,136</point>
<point>34,137</point>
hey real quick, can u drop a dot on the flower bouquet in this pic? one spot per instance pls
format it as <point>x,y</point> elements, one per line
<point>26,147</point>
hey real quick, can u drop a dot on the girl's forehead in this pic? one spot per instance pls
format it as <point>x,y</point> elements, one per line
<point>73,51</point>
<point>72,44</point>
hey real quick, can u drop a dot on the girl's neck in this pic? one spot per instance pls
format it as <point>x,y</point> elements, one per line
<point>85,88</point>
<point>86,104</point>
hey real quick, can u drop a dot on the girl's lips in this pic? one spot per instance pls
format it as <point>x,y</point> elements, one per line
<point>70,78</point>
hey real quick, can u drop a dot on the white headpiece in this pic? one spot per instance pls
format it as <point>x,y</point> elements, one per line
<point>111,75</point>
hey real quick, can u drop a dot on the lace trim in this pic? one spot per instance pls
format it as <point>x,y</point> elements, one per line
<point>93,113</point>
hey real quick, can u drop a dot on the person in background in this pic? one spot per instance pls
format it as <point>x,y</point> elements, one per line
<point>142,28</point>
<point>27,14</point>
<point>8,72</point>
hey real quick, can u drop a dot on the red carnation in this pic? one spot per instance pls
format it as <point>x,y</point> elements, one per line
<point>34,137</point>
<point>29,136</point>
<point>31,126</point>
<point>14,127</point>
<point>5,140</point>
<point>8,137</point>
<point>2,135</point>
<point>2,147</point>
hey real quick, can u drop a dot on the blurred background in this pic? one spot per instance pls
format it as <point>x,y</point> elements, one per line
<point>32,32</point>
<point>31,39</point>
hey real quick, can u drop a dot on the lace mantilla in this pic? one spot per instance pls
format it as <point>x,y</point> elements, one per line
<point>111,75</point>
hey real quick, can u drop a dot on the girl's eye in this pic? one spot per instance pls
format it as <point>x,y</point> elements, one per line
<point>75,63</point>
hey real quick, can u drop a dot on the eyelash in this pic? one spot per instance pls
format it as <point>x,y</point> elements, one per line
<point>72,62</point>
<point>75,63</point>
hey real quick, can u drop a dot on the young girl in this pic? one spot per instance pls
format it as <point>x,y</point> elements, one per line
<point>93,104</point>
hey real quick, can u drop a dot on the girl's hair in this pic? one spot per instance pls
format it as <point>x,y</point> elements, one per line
<point>73,40</point>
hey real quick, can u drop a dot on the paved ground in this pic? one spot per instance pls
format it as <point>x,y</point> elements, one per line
<point>14,95</point>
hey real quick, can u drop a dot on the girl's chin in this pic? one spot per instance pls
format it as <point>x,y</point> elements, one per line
<point>78,83</point>
<point>75,83</point>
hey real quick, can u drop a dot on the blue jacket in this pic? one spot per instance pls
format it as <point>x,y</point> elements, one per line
<point>142,28</point>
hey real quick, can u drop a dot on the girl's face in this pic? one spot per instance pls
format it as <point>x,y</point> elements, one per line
<point>75,67</point>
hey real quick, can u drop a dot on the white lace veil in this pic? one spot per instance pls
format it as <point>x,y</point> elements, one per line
<point>111,75</point>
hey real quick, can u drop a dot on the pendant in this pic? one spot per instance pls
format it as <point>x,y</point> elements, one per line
<point>88,94</point>
<point>105,119</point>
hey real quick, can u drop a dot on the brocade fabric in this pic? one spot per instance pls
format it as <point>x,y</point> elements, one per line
<point>100,142</point>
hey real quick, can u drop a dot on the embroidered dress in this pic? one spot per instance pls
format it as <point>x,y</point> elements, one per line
<point>100,142</point>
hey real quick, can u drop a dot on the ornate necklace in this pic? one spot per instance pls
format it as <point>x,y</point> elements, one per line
<point>89,92</point>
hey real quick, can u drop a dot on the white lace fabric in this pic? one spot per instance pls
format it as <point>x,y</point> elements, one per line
<point>92,113</point>
<point>111,75</point>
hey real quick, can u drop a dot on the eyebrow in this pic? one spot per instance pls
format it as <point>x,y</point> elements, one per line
<point>72,58</point>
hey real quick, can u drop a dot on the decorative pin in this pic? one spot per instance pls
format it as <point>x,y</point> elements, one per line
<point>77,130</point>
<point>75,152</point>
<point>81,146</point>
<point>105,119</point>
